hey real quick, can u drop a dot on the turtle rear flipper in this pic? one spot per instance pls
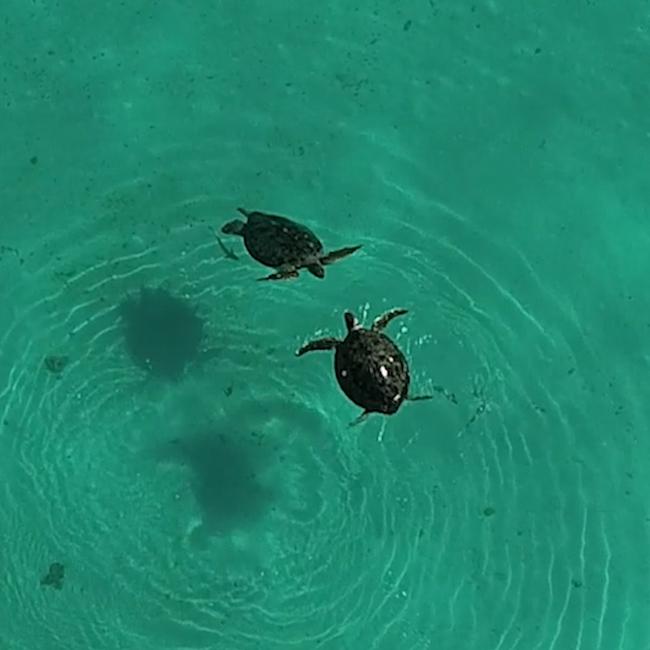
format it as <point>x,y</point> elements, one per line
<point>234,227</point>
<point>438,389</point>
<point>358,420</point>
<point>316,269</point>
<point>418,398</point>
<point>335,256</point>
<point>228,252</point>
<point>283,274</point>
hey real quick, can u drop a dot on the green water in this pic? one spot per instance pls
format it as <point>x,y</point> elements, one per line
<point>493,160</point>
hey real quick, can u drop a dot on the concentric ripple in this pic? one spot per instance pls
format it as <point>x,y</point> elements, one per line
<point>222,509</point>
<point>505,538</point>
<point>237,509</point>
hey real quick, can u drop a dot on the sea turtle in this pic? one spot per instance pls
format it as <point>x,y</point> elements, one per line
<point>371,370</point>
<point>283,244</point>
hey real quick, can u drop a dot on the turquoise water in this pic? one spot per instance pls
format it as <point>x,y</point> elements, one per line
<point>492,158</point>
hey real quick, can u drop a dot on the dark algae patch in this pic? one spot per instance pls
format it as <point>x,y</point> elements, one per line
<point>54,577</point>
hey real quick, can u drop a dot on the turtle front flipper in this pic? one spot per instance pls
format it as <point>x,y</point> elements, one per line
<point>328,343</point>
<point>335,256</point>
<point>286,274</point>
<point>381,322</point>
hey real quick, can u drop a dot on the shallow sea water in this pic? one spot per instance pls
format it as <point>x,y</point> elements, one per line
<point>492,159</point>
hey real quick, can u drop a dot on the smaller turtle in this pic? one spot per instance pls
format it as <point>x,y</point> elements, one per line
<point>370,369</point>
<point>283,244</point>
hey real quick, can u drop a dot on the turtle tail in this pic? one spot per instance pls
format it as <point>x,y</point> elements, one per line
<point>234,227</point>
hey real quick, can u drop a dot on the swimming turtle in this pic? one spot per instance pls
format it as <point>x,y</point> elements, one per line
<point>283,244</point>
<point>371,370</point>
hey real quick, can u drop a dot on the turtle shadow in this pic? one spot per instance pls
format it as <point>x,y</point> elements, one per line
<point>162,332</point>
<point>224,479</point>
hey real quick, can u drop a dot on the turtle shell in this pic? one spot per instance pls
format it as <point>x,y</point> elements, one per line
<point>275,241</point>
<point>372,371</point>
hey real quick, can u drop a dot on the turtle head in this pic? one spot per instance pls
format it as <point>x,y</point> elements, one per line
<point>350,321</point>
<point>234,227</point>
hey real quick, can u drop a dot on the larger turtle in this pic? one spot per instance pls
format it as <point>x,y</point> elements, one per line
<point>283,244</point>
<point>370,369</point>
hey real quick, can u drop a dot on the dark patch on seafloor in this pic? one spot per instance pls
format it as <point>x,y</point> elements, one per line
<point>224,478</point>
<point>163,332</point>
<point>55,363</point>
<point>54,577</point>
